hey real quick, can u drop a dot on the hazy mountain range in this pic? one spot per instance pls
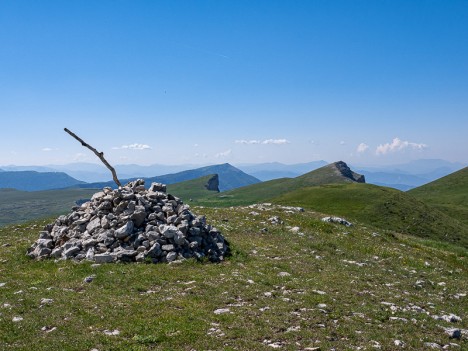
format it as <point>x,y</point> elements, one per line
<point>401,176</point>
<point>230,177</point>
<point>32,180</point>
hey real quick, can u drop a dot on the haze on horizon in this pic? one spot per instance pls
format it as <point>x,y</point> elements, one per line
<point>181,82</point>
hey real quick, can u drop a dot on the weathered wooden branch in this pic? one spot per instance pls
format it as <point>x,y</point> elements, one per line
<point>98,154</point>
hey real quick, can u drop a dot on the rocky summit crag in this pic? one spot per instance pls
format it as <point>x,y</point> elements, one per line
<point>131,224</point>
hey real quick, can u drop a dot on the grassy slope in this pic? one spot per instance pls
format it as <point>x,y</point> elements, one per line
<point>191,189</point>
<point>20,206</point>
<point>381,207</point>
<point>449,194</point>
<point>171,307</point>
<point>266,191</point>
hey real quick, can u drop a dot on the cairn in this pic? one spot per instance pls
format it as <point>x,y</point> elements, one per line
<point>131,224</point>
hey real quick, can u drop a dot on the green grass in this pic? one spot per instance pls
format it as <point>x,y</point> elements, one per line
<point>191,189</point>
<point>171,307</point>
<point>449,194</point>
<point>380,207</point>
<point>21,206</point>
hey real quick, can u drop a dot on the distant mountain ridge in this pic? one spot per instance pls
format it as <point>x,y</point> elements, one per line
<point>34,181</point>
<point>230,177</point>
<point>403,176</point>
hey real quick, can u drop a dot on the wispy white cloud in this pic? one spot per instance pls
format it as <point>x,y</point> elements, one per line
<point>342,142</point>
<point>276,141</point>
<point>248,142</point>
<point>398,145</point>
<point>224,153</point>
<point>264,142</point>
<point>48,149</point>
<point>135,146</point>
<point>362,147</point>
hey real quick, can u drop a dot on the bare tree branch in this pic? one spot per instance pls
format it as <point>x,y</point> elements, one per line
<point>98,154</point>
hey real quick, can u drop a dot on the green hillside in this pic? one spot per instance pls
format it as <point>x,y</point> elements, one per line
<point>20,206</point>
<point>336,173</point>
<point>194,189</point>
<point>381,207</point>
<point>449,194</point>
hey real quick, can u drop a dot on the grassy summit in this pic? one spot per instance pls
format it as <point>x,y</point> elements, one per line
<point>337,172</point>
<point>449,194</point>
<point>318,285</point>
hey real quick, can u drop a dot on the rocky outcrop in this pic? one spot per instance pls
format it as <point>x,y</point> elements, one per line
<point>213,183</point>
<point>130,224</point>
<point>343,168</point>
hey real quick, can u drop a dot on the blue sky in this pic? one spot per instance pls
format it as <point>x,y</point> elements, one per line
<point>368,82</point>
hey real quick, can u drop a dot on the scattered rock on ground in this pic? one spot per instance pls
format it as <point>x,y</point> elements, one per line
<point>453,333</point>
<point>451,318</point>
<point>337,220</point>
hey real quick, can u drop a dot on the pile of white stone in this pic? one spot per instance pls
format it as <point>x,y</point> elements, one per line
<point>131,224</point>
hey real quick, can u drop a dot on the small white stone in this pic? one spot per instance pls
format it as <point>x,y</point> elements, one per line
<point>293,329</point>
<point>275,345</point>
<point>111,332</point>
<point>17,319</point>
<point>221,310</point>
<point>2,284</point>
<point>319,292</point>
<point>433,345</point>
<point>46,301</point>
<point>48,329</point>
<point>284,274</point>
